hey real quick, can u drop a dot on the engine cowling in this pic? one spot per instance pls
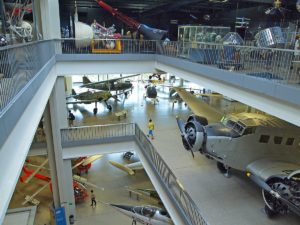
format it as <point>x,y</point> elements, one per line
<point>289,189</point>
<point>194,133</point>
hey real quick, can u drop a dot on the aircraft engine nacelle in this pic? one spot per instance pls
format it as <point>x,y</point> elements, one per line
<point>193,133</point>
<point>288,187</point>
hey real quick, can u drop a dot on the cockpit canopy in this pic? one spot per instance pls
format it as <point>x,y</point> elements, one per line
<point>237,126</point>
<point>149,211</point>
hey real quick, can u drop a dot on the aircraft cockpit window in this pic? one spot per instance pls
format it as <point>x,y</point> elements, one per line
<point>290,141</point>
<point>229,123</point>
<point>264,138</point>
<point>147,211</point>
<point>249,130</point>
<point>238,128</point>
<point>277,140</point>
<point>164,213</point>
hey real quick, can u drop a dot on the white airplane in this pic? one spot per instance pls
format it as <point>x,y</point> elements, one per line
<point>263,146</point>
<point>128,168</point>
<point>149,215</point>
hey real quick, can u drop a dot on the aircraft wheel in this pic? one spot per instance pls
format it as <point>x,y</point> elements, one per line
<point>269,212</point>
<point>109,107</point>
<point>95,110</point>
<point>222,168</point>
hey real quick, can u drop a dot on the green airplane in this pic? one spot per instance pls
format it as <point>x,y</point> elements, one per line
<point>109,85</point>
<point>89,97</point>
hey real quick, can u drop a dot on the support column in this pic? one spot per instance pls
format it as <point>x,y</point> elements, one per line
<point>50,19</point>
<point>68,174</point>
<point>51,156</point>
<point>68,82</point>
<point>181,82</point>
<point>61,173</point>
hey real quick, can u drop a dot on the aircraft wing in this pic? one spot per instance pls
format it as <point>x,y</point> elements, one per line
<point>199,107</point>
<point>88,160</point>
<point>83,101</point>
<point>265,168</point>
<point>128,168</point>
<point>107,81</point>
<point>280,182</point>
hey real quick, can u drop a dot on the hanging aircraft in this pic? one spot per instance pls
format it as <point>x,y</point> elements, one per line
<point>263,146</point>
<point>149,215</point>
<point>151,93</point>
<point>110,85</point>
<point>80,191</point>
<point>128,168</point>
<point>89,97</point>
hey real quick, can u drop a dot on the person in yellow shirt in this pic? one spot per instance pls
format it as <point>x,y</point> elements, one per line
<point>151,129</point>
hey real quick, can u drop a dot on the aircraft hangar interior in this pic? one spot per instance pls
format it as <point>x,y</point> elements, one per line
<point>150,112</point>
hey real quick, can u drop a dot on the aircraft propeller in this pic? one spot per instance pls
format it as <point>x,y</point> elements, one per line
<point>275,194</point>
<point>184,135</point>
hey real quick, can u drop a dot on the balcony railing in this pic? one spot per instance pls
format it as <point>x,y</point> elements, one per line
<point>100,133</point>
<point>18,65</point>
<point>276,65</point>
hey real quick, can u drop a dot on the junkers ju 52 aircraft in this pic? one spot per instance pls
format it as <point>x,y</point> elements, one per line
<point>265,147</point>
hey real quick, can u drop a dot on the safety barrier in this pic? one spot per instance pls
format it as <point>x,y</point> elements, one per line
<point>90,134</point>
<point>18,65</point>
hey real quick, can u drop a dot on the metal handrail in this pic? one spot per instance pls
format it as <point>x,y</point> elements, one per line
<point>185,202</point>
<point>93,133</point>
<point>19,64</point>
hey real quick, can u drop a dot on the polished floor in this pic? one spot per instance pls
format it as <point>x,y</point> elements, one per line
<point>223,201</point>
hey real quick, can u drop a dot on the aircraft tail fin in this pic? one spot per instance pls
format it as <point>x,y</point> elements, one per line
<point>122,167</point>
<point>85,80</point>
<point>73,92</point>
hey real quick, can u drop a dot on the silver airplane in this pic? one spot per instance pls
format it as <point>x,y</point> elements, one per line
<point>263,146</point>
<point>149,215</point>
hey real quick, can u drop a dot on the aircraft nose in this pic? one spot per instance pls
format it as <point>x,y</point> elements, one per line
<point>123,207</point>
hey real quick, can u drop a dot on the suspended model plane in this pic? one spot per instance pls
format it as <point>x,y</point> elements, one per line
<point>149,215</point>
<point>89,97</point>
<point>80,191</point>
<point>263,146</point>
<point>128,168</point>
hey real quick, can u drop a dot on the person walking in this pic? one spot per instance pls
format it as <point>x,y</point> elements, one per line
<point>151,129</point>
<point>93,199</point>
<point>71,119</point>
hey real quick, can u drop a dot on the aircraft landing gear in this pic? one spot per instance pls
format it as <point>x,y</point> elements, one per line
<point>95,110</point>
<point>133,222</point>
<point>269,212</point>
<point>223,169</point>
<point>108,106</point>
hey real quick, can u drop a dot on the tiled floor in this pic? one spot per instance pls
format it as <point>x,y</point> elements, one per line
<point>223,201</point>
